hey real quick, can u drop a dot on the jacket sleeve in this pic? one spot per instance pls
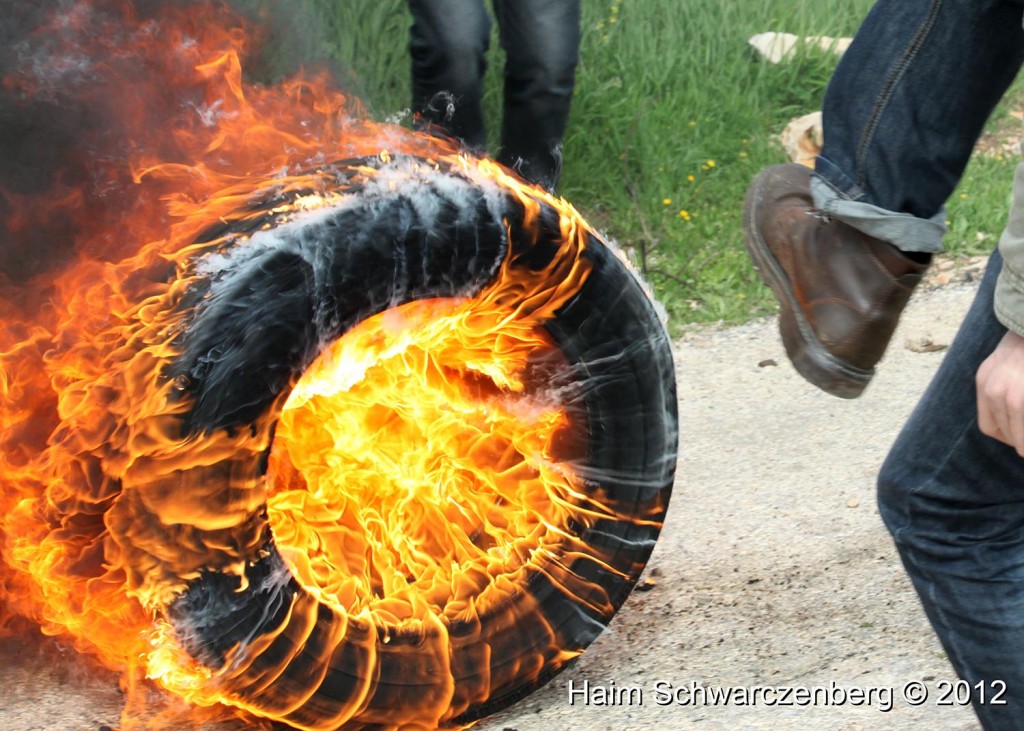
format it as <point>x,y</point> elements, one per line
<point>1009,297</point>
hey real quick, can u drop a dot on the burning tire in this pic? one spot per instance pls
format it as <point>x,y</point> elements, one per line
<point>276,286</point>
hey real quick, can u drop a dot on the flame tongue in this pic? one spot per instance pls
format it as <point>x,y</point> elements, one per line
<point>431,474</point>
<point>315,425</point>
<point>421,467</point>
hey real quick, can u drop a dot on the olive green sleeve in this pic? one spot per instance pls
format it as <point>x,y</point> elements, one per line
<point>1009,298</point>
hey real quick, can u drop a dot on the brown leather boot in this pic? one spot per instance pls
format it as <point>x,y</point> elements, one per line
<point>841,292</point>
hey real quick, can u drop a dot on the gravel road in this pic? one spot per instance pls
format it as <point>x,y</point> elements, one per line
<point>773,568</point>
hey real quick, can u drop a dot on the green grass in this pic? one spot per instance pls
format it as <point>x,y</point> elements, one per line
<point>672,117</point>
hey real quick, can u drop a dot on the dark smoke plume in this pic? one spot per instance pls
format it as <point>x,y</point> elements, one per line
<point>71,74</point>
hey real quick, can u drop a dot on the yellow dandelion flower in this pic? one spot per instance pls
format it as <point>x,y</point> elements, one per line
<point>685,215</point>
<point>963,196</point>
<point>690,178</point>
<point>710,163</point>
<point>666,201</point>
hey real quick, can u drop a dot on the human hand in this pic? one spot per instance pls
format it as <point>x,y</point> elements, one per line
<point>1000,387</point>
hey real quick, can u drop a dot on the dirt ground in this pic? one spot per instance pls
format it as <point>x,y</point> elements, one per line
<point>773,568</point>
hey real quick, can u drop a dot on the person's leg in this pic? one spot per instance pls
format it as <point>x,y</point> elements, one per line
<point>448,43</point>
<point>541,39</point>
<point>843,249</point>
<point>906,106</point>
<point>954,502</point>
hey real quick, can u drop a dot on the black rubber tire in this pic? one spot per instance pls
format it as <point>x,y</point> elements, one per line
<point>447,237</point>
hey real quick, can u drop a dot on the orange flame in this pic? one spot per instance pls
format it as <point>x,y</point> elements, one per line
<point>421,470</point>
<point>408,483</point>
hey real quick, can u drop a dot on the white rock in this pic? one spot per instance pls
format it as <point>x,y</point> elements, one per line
<point>778,47</point>
<point>803,138</point>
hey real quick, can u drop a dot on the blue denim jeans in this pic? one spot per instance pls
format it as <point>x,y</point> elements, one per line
<point>448,43</point>
<point>906,106</point>
<point>953,499</point>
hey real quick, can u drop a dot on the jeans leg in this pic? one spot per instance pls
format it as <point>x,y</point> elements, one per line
<point>541,39</point>
<point>448,43</point>
<point>910,97</point>
<point>953,500</point>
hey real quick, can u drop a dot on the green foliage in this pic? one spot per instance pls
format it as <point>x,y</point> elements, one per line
<point>368,39</point>
<point>673,116</point>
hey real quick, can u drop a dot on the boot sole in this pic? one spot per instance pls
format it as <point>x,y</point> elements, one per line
<point>807,354</point>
